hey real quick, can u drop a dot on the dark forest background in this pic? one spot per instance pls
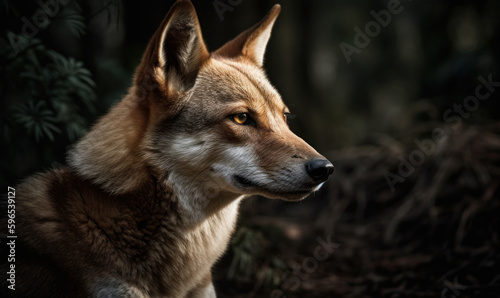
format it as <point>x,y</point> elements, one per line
<point>413,205</point>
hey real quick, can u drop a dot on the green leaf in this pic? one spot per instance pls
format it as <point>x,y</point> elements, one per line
<point>73,20</point>
<point>36,119</point>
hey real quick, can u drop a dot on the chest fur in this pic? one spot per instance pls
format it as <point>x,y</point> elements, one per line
<point>196,249</point>
<point>177,257</point>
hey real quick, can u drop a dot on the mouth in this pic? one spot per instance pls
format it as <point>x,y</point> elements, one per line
<point>252,187</point>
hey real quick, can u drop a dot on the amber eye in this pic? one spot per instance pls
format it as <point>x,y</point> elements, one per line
<point>240,118</point>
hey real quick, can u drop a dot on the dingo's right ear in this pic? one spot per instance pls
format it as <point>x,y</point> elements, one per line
<point>176,52</point>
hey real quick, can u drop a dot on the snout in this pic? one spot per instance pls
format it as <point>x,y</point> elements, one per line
<point>319,169</point>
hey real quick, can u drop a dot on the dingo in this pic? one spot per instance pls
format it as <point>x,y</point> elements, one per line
<point>150,197</point>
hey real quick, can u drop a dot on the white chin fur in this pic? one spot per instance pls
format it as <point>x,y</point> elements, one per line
<point>318,187</point>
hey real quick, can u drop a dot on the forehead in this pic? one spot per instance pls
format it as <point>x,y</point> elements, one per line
<point>231,81</point>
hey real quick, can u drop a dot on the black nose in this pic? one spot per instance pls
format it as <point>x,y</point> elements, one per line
<point>319,169</point>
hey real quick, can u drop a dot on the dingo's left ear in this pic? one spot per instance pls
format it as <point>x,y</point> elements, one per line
<point>252,42</point>
<point>176,52</point>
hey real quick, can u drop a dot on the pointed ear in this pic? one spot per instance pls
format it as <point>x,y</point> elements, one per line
<point>252,42</point>
<point>176,52</point>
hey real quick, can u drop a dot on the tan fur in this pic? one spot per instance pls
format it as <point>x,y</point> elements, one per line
<point>150,198</point>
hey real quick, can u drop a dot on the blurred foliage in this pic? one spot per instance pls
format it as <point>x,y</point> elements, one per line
<point>56,89</point>
<point>246,248</point>
<point>36,119</point>
<point>250,261</point>
<point>74,20</point>
<point>47,97</point>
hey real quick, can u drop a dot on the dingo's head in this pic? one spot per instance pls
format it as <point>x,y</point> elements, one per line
<point>229,124</point>
<point>214,118</point>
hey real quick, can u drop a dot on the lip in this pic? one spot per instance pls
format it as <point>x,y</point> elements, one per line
<point>242,181</point>
<point>248,185</point>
